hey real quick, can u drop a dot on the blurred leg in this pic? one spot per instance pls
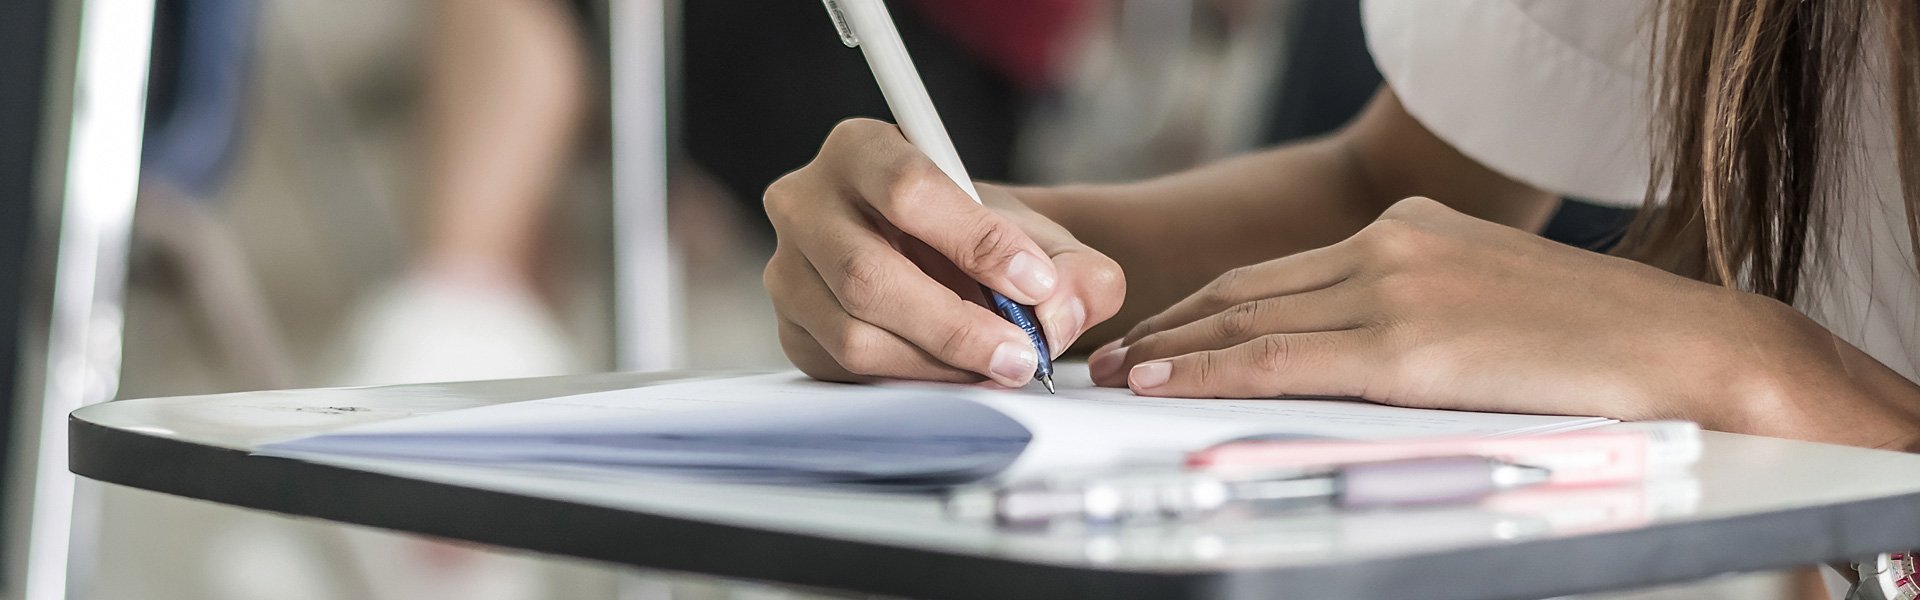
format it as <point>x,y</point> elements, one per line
<point>505,95</point>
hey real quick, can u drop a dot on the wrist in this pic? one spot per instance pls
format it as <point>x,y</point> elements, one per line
<point>1795,379</point>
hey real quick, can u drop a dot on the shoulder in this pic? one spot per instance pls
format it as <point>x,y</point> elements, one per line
<point>1553,93</point>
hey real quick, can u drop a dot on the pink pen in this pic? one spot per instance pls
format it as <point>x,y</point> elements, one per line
<point>1128,497</point>
<point>1621,453</point>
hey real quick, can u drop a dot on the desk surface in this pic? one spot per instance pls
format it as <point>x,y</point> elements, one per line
<point>1754,503</point>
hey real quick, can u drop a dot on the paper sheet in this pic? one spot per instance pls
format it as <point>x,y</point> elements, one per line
<point>786,428</point>
<point>1089,427</point>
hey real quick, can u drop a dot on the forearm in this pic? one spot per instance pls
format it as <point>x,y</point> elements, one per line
<point>1173,234</point>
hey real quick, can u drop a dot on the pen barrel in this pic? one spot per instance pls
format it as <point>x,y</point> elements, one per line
<point>1444,480</point>
<point>900,84</point>
<point>1022,316</point>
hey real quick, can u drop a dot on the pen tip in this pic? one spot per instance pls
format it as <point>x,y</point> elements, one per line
<point>1047,381</point>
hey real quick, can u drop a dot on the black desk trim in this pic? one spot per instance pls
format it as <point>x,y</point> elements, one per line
<point>1532,569</point>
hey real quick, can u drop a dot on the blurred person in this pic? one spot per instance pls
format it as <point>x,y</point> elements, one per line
<point>507,84</point>
<point>506,93</point>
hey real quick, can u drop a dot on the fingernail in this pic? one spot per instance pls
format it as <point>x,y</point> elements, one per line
<point>1063,325</point>
<point>1014,363</point>
<point>1106,362</point>
<point>1146,376</point>
<point>1031,276</point>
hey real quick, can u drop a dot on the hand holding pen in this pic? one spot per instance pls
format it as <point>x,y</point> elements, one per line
<point>882,256</point>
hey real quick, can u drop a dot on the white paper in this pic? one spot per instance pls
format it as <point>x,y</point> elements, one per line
<point>1089,427</point>
<point>1083,427</point>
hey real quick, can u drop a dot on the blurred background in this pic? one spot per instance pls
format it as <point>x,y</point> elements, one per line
<point>360,192</point>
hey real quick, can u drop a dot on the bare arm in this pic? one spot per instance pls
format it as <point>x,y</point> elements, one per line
<point>873,241</point>
<point>506,92</point>
<point>1311,269</point>
<point>1174,234</point>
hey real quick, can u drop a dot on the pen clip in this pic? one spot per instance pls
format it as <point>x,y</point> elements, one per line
<point>840,23</point>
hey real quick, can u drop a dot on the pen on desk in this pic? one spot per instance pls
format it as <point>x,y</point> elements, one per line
<point>865,24</point>
<point>1124,497</point>
<point>1615,454</point>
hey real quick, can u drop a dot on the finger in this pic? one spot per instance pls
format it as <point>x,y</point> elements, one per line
<point>825,342</point>
<point>1091,290</point>
<point>1333,363</point>
<point>812,358</point>
<point>1302,272</point>
<point>1107,365</point>
<point>1092,286</point>
<point>874,284</point>
<point>914,195</point>
<point>1326,309</point>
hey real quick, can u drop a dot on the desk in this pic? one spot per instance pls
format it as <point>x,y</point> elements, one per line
<point>1755,503</point>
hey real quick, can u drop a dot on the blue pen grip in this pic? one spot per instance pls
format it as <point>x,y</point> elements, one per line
<point>1021,315</point>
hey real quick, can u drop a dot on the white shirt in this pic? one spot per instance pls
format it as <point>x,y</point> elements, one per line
<point>1555,94</point>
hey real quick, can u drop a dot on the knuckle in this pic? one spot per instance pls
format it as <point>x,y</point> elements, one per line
<point>1413,207</point>
<point>773,277</point>
<point>780,196</point>
<point>807,355</point>
<point>852,130</point>
<point>863,284</point>
<point>1238,321</point>
<point>958,339</point>
<point>860,349</point>
<point>1224,290</point>
<point>1273,353</point>
<point>1206,369</point>
<point>911,183</point>
<point>1395,241</point>
<point>994,244</point>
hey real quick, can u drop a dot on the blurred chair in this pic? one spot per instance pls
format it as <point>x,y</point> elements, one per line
<point>197,100</point>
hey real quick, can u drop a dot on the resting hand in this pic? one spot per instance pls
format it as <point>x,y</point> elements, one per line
<point>1428,307</point>
<point>880,258</point>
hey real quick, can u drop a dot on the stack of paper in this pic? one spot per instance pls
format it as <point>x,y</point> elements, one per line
<point>784,428</point>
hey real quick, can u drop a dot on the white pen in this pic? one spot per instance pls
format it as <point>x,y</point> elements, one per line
<point>865,24</point>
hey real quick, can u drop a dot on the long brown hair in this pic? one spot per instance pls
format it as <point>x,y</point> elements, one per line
<point>1753,98</point>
